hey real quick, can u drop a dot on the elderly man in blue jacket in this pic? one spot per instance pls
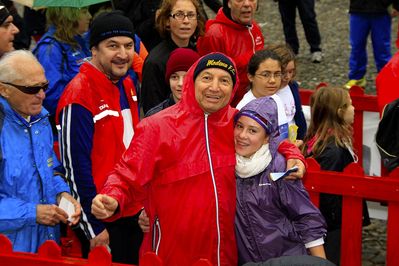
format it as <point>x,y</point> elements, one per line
<point>31,183</point>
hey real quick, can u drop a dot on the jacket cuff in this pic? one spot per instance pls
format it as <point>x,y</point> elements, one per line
<point>315,243</point>
<point>31,214</point>
<point>290,151</point>
<point>114,193</point>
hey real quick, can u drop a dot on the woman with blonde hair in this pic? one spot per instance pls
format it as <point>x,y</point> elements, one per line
<point>62,50</point>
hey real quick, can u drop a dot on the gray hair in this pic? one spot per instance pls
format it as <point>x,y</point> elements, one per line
<point>8,71</point>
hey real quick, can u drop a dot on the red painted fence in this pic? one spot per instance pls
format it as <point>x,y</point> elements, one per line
<point>50,255</point>
<point>352,184</point>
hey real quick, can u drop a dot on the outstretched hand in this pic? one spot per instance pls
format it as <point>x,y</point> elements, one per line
<point>103,206</point>
<point>301,169</point>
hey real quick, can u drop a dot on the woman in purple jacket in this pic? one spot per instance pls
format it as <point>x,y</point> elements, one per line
<point>273,218</point>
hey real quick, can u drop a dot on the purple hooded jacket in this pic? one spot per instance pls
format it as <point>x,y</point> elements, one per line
<point>273,218</point>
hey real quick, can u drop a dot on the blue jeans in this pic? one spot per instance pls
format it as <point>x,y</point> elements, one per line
<point>360,27</point>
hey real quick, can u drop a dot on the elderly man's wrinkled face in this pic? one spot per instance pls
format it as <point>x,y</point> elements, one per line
<point>7,32</point>
<point>213,88</point>
<point>33,75</point>
<point>242,11</point>
<point>114,56</point>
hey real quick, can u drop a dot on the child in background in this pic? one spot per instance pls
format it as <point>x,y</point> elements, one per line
<point>273,218</point>
<point>264,73</point>
<point>329,140</point>
<point>179,62</point>
<point>289,90</point>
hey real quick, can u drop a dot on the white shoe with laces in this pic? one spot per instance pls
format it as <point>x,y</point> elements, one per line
<point>317,57</point>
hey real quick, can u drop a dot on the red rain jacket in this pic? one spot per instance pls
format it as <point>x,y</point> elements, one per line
<point>180,164</point>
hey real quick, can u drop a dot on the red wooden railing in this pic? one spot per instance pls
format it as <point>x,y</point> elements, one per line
<point>352,184</point>
<point>50,255</point>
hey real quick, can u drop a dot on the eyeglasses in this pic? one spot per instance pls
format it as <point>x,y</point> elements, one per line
<point>181,16</point>
<point>30,89</point>
<point>267,76</point>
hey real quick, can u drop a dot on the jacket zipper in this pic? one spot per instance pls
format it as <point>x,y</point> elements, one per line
<point>36,166</point>
<point>156,227</point>
<point>214,185</point>
<point>252,37</point>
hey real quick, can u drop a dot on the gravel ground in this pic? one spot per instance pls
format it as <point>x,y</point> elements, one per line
<point>333,21</point>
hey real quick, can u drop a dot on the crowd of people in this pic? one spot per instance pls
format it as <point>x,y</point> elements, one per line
<point>172,149</point>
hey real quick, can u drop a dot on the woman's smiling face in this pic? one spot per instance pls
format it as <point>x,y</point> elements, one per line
<point>249,136</point>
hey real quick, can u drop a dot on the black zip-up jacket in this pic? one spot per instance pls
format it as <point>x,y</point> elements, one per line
<point>372,6</point>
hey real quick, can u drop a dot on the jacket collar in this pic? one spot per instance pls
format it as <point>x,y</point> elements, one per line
<point>8,111</point>
<point>224,16</point>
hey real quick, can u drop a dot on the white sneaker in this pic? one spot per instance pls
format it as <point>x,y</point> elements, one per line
<point>317,57</point>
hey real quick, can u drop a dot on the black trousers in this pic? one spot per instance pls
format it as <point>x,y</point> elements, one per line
<point>332,246</point>
<point>308,17</point>
<point>125,237</point>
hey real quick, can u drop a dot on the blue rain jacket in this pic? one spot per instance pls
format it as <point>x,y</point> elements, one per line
<point>27,166</point>
<point>61,64</point>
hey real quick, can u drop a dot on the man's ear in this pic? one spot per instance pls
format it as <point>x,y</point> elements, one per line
<point>93,51</point>
<point>229,3</point>
<point>4,90</point>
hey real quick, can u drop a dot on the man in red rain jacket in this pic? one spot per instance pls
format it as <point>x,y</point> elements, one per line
<point>181,165</point>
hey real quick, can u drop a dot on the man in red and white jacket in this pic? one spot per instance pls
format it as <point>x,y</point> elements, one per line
<point>235,34</point>
<point>98,114</point>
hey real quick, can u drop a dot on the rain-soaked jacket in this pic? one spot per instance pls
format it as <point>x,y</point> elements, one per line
<point>27,166</point>
<point>180,163</point>
<point>273,218</point>
<point>237,41</point>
